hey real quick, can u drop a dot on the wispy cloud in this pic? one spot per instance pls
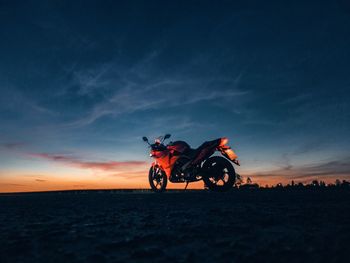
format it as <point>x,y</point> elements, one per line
<point>12,145</point>
<point>322,170</point>
<point>11,185</point>
<point>130,100</point>
<point>40,180</point>
<point>13,99</point>
<point>144,86</point>
<point>75,162</point>
<point>133,175</point>
<point>91,80</point>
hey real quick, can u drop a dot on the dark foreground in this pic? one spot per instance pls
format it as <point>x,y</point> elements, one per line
<point>246,226</point>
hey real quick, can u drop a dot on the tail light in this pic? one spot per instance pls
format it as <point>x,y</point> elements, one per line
<point>230,154</point>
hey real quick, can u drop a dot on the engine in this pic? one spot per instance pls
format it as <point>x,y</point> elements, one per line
<point>183,171</point>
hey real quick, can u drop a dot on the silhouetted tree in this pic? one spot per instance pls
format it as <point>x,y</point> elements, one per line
<point>292,185</point>
<point>300,185</point>
<point>337,183</point>
<point>239,180</point>
<point>345,183</point>
<point>315,183</point>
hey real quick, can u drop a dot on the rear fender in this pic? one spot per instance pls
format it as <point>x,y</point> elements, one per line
<point>206,150</point>
<point>204,154</point>
<point>227,151</point>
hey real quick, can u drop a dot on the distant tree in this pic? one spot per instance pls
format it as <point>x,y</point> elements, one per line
<point>249,186</point>
<point>279,185</point>
<point>337,182</point>
<point>239,180</point>
<point>315,183</point>
<point>345,183</point>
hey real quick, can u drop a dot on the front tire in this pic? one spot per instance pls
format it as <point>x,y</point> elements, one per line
<point>218,174</point>
<point>157,179</point>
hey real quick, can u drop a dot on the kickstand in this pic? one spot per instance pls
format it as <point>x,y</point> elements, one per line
<point>186,185</point>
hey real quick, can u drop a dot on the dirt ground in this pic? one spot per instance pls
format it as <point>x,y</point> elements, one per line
<point>239,226</point>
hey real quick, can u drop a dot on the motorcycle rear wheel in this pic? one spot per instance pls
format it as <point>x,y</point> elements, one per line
<point>157,179</point>
<point>218,174</point>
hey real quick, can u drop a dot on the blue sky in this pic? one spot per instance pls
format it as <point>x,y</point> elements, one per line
<point>88,79</point>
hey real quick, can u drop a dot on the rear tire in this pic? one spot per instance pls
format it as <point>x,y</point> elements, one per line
<point>157,179</point>
<point>218,174</point>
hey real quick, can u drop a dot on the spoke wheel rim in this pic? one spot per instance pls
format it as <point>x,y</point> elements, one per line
<point>219,174</point>
<point>157,178</point>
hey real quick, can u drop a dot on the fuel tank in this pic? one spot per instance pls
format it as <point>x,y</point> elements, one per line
<point>178,146</point>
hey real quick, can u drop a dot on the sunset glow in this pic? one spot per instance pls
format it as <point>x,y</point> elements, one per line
<point>64,173</point>
<point>80,85</point>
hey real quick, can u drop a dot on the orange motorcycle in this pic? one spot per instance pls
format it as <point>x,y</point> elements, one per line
<point>179,163</point>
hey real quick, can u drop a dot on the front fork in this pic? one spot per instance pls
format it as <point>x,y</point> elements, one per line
<point>165,170</point>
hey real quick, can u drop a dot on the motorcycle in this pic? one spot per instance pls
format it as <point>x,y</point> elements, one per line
<point>179,163</point>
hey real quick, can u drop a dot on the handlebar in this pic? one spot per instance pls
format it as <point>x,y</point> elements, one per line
<point>158,140</point>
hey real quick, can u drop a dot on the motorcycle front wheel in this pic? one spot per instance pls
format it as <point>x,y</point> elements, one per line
<point>218,174</point>
<point>157,179</point>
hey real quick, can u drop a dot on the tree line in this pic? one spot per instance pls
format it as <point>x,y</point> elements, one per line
<point>249,184</point>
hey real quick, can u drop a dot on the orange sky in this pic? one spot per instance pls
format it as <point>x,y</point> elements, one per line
<point>47,172</point>
<point>14,182</point>
<point>92,178</point>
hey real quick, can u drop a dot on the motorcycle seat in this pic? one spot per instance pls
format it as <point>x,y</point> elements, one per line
<point>193,153</point>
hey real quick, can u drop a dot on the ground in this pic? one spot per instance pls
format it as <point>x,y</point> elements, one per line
<point>239,226</point>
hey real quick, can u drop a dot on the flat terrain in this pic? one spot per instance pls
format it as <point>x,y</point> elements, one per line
<point>239,226</point>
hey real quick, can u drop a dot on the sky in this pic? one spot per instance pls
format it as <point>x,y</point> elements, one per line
<point>82,81</point>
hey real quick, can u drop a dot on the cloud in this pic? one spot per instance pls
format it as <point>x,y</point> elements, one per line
<point>91,80</point>
<point>311,145</point>
<point>12,145</point>
<point>12,185</point>
<point>335,167</point>
<point>103,166</point>
<point>323,170</point>
<point>11,97</point>
<point>40,180</point>
<point>121,89</point>
<point>132,175</point>
<point>163,94</point>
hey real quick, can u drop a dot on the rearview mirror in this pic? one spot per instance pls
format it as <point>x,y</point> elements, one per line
<point>144,139</point>
<point>167,136</point>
